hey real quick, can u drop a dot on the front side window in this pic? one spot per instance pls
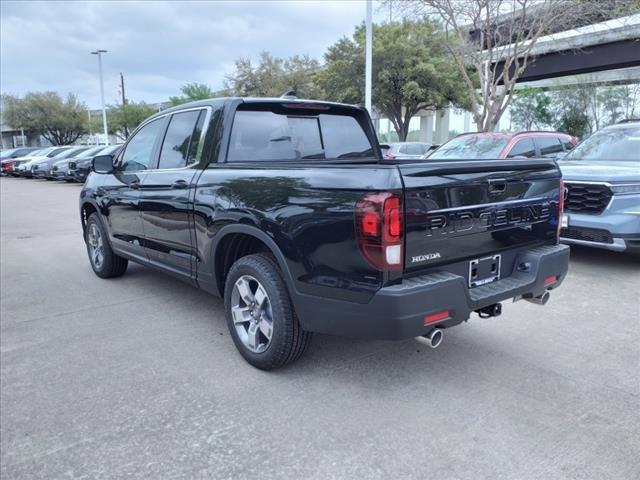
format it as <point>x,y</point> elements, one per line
<point>267,135</point>
<point>138,153</point>
<point>523,148</point>
<point>177,151</point>
<point>549,146</point>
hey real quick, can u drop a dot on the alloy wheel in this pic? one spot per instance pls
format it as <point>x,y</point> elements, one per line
<point>252,314</point>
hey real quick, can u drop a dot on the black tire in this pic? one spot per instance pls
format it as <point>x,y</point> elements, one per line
<point>288,340</point>
<point>112,265</point>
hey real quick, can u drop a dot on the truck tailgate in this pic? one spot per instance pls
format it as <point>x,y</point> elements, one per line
<point>472,209</point>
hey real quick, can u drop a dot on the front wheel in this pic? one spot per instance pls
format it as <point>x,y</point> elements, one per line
<point>259,314</point>
<point>104,262</point>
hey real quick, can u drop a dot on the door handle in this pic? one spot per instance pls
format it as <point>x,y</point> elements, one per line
<point>180,184</point>
<point>497,185</point>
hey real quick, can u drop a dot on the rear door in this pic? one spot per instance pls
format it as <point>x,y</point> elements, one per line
<point>464,210</point>
<point>165,194</point>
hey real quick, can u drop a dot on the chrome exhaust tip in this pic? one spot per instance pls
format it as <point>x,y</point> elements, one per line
<point>541,300</point>
<point>433,339</point>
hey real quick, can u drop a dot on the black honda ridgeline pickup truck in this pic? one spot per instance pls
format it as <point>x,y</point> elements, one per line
<point>287,210</point>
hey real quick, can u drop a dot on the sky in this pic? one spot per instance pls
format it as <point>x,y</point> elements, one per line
<point>158,46</point>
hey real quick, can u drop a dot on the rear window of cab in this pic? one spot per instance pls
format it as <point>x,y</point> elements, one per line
<point>279,133</point>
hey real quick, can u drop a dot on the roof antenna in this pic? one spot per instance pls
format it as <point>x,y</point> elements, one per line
<point>289,95</point>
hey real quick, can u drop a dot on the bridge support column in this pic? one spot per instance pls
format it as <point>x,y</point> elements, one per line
<point>426,127</point>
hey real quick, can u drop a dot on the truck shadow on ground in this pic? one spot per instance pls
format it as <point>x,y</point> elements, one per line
<point>368,363</point>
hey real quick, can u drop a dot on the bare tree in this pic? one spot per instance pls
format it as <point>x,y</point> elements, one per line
<point>493,41</point>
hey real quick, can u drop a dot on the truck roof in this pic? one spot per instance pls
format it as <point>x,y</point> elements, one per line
<point>225,100</point>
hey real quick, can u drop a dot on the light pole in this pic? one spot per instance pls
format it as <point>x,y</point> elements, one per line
<point>104,111</point>
<point>368,55</point>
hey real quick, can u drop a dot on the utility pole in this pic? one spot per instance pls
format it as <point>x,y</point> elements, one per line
<point>368,57</point>
<point>104,110</point>
<point>124,110</point>
<point>124,99</point>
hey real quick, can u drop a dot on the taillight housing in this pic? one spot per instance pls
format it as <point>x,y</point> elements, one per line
<point>560,208</point>
<point>380,231</point>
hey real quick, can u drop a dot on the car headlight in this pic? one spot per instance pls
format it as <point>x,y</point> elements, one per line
<point>626,189</point>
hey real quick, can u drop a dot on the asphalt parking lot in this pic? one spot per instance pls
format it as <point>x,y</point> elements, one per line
<point>137,378</point>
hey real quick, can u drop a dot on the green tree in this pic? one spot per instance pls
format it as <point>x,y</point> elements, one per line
<point>60,121</point>
<point>192,92</point>
<point>531,107</point>
<point>273,76</point>
<point>412,71</point>
<point>123,119</point>
<point>574,122</point>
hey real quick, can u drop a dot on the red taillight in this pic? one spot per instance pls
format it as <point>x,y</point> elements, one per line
<point>560,208</point>
<point>389,155</point>
<point>379,230</point>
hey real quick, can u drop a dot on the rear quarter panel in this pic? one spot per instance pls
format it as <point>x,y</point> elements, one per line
<point>308,212</point>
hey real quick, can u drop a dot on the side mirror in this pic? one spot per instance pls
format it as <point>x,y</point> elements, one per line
<point>102,164</point>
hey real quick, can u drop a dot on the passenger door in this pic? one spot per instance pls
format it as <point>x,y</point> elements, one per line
<point>122,189</point>
<point>165,202</point>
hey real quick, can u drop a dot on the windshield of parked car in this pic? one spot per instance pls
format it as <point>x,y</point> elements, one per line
<point>92,151</point>
<point>8,153</point>
<point>620,143</point>
<point>470,147</point>
<point>296,134</point>
<point>56,151</point>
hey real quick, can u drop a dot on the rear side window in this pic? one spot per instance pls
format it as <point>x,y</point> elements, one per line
<point>179,145</point>
<point>523,148</point>
<point>268,135</point>
<point>549,146</point>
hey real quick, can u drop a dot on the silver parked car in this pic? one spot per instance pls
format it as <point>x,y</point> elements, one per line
<point>407,150</point>
<point>602,190</point>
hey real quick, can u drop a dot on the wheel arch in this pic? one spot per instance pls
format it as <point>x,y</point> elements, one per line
<point>235,241</point>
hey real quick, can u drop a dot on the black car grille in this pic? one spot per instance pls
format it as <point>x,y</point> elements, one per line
<point>587,197</point>
<point>587,234</point>
<point>72,165</point>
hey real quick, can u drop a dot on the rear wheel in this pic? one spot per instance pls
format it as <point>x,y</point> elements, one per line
<point>259,314</point>
<point>104,262</point>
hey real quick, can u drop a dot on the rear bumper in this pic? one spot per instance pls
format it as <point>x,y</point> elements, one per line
<point>397,312</point>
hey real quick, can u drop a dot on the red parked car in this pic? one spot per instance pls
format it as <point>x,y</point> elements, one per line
<point>471,146</point>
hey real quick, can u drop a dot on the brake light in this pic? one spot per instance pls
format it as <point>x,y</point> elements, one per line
<point>389,155</point>
<point>379,230</point>
<point>560,208</point>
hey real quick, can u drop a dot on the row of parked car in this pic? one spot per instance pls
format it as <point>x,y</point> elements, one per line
<point>476,146</point>
<point>68,163</point>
